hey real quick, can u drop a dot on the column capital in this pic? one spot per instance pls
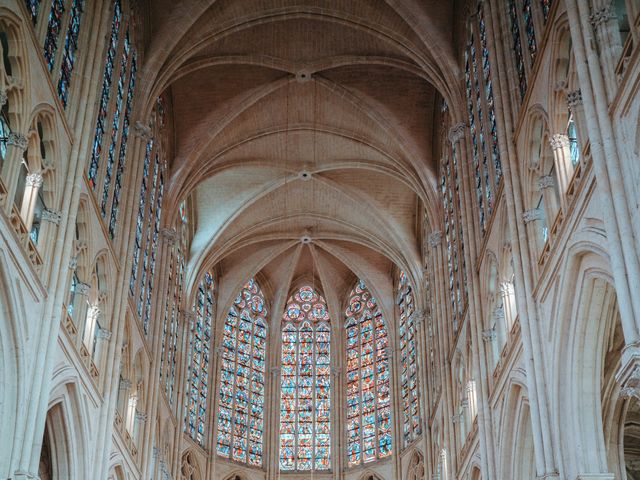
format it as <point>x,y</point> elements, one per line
<point>434,238</point>
<point>83,289</point>
<point>125,384</point>
<point>73,262</point>
<point>103,334</point>
<point>574,98</point>
<point>601,15</point>
<point>559,140</point>
<point>142,130</point>
<point>546,181</point>
<point>456,133</point>
<point>169,235</point>
<point>141,416</point>
<point>3,97</point>
<point>531,215</point>
<point>34,180</point>
<point>51,216</point>
<point>18,140</point>
<point>488,335</point>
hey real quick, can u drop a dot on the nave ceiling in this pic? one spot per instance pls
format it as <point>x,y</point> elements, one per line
<point>303,119</point>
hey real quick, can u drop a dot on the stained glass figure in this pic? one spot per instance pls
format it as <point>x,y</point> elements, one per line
<point>305,383</point>
<point>411,423</point>
<point>242,378</point>
<point>70,51</point>
<point>54,27</point>
<point>517,47</point>
<point>198,374</point>
<point>368,387</point>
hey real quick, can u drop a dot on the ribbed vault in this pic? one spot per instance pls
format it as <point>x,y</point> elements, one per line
<point>294,119</point>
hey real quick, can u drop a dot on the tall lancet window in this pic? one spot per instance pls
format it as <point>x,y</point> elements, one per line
<point>411,424</point>
<point>241,396</point>
<point>305,395</point>
<point>198,375</point>
<point>368,391</point>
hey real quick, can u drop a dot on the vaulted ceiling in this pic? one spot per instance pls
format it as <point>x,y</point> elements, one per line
<point>304,119</point>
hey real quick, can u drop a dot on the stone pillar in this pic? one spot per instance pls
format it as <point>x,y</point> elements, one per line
<point>605,25</point>
<point>33,182</point>
<point>575,106</point>
<point>16,146</point>
<point>564,171</point>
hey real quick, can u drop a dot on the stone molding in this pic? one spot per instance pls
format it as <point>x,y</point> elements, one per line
<point>169,235</point>
<point>142,130</point>
<point>456,133</point>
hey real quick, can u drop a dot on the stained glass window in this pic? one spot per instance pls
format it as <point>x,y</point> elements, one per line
<point>305,383</point>
<point>546,8</point>
<point>107,80</point>
<point>527,13</point>
<point>574,148</point>
<point>368,387</point>
<point>242,378</point>
<point>412,423</point>
<point>486,160</point>
<point>54,27</point>
<point>198,375</point>
<point>70,51</point>
<point>517,47</point>
<point>33,6</point>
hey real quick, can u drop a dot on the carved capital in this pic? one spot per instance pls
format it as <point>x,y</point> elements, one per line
<point>434,238</point>
<point>125,384</point>
<point>559,140</point>
<point>34,180</point>
<point>336,371</point>
<point>169,235</point>
<point>141,416</point>
<point>546,181</point>
<point>488,335</point>
<point>498,313</point>
<point>601,15</point>
<point>505,288</point>
<point>73,262</point>
<point>456,418</point>
<point>103,334</point>
<point>18,140</point>
<point>83,289</point>
<point>51,216</point>
<point>456,133</point>
<point>574,99</point>
<point>142,130</point>
<point>531,215</point>
<point>3,97</point>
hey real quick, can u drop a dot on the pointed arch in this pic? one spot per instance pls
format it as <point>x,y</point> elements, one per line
<point>305,383</point>
<point>241,391</point>
<point>368,379</point>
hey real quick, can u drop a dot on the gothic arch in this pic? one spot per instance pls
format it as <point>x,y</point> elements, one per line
<point>417,468</point>
<point>14,59</point>
<point>189,469</point>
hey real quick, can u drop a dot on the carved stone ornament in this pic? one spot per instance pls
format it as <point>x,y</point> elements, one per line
<point>82,288</point>
<point>73,263</point>
<point>574,98</point>
<point>103,334</point>
<point>3,97</point>
<point>488,335</point>
<point>434,239</point>
<point>51,217</point>
<point>142,130</point>
<point>546,181</point>
<point>559,140</point>
<point>18,140</point>
<point>601,15</point>
<point>456,133</point>
<point>125,384</point>
<point>169,235</point>
<point>531,215</point>
<point>34,180</point>
<point>141,416</point>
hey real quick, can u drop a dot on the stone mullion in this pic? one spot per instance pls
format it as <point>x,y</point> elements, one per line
<point>541,426</point>
<point>459,140</point>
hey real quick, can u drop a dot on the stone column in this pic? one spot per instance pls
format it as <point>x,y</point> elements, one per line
<point>33,182</point>
<point>564,171</point>
<point>16,146</point>
<point>605,25</point>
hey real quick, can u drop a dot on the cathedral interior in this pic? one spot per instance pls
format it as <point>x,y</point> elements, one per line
<point>319,239</point>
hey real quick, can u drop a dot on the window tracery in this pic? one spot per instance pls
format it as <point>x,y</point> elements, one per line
<point>147,230</point>
<point>114,118</point>
<point>305,383</point>
<point>198,373</point>
<point>368,385</point>
<point>412,422</point>
<point>242,378</point>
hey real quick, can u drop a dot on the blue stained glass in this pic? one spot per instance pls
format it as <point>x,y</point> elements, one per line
<point>367,375</point>
<point>517,48</point>
<point>474,143</point>
<point>123,148</point>
<point>105,94</point>
<point>154,249</point>
<point>70,50</point>
<point>305,395</point>
<point>53,33</point>
<point>140,219</point>
<point>115,127</point>
<point>33,6</point>
<point>240,408</point>
<point>546,8</point>
<point>527,13</point>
